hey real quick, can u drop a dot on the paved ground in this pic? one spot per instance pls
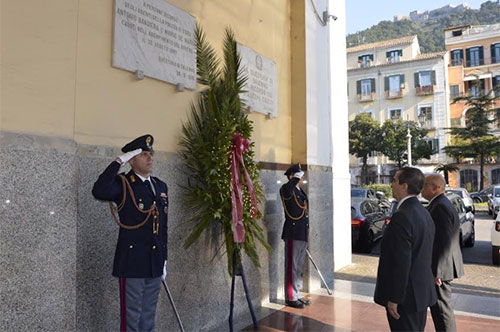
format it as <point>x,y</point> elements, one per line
<point>481,278</point>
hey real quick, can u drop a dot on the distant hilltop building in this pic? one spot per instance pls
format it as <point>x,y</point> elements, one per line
<point>418,16</point>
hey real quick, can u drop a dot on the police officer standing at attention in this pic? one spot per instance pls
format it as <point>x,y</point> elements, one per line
<point>140,261</point>
<point>295,235</point>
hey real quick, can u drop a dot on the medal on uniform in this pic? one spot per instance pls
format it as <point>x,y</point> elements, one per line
<point>165,209</point>
<point>141,206</point>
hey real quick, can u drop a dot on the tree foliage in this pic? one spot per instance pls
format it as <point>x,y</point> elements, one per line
<point>430,33</point>
<point>364,137</point>
<point>394,142</point>
<point>206,148</point>
<point>446,169</point>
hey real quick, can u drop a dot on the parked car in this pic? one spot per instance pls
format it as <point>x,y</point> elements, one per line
<point>482,196</point>
<point>466,217</point>
<point>465,196</point>
<point>363,193</point>
<point>367,223</point>
<point>495,241</point>
<point>494,202</point>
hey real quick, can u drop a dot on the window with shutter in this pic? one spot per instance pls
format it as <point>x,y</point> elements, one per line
<point>454,91</point>
<point>416,77</point>
<point>457,57</point>
<point>495,53</point>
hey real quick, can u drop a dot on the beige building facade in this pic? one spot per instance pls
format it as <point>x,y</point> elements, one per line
<point>392,80</point>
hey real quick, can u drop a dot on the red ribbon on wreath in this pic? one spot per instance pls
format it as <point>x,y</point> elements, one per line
<point>240,145</point>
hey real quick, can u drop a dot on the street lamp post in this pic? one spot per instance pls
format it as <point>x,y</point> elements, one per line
<point>408,136</point>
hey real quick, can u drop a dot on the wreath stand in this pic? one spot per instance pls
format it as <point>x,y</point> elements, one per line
<point>240,272</point>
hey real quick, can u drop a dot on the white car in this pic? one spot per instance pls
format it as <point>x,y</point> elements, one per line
<point>495,241</point>
<point>465,196</point>
<point>494,201</point>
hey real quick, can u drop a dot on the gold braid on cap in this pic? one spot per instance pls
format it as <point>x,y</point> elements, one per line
<point>153,210</point>
<point>303,207</point>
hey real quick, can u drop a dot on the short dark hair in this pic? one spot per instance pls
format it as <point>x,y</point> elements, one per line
<point>413,177</point>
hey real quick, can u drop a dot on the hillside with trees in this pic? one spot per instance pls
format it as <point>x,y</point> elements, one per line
<point>430,33</point>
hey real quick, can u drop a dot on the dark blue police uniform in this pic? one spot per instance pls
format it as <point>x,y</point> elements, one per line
<point>141,250</point>
<point>295,234</point>
<point>140,253</point>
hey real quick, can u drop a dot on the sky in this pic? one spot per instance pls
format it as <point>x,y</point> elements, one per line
<point>362,14</point>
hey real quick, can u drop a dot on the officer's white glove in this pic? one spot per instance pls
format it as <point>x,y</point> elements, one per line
<point>299,175</point>
<point>164,271</point>
<point>129,155</point>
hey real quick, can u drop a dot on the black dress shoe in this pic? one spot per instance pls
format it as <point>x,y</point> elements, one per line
<point>305,302</point>
<point>295,304</point>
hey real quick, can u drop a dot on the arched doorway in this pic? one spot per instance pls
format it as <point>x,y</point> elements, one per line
<point>469,179</point>
<point>495,176</point>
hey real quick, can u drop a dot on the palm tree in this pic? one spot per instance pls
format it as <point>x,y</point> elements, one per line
<point>206,147</point>
<point>446,168</point>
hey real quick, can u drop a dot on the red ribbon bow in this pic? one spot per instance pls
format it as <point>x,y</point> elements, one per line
<point>240,145</point>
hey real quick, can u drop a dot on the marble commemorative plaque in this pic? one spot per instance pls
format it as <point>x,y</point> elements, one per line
<point>262,85</point>
<point>156,38</point>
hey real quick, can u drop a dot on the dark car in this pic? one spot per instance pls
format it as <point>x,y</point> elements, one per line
<point>467,231</point>
<point>368,222</point>
<point>482,196</point>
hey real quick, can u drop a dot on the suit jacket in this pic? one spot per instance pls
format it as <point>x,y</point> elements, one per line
<point>404,272</point>
<point>139,253</point>
<point>296,226</point>
<point>447,261</point>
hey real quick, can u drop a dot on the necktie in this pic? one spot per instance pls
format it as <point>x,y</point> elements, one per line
<point>148,185</point>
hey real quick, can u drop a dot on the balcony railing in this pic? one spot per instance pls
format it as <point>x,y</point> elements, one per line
<point>394,94</point>
<point>475,63</point>
<point>366,97</point>
<point>425,90</point>
<point>365,63</point>
<point>428,124</point>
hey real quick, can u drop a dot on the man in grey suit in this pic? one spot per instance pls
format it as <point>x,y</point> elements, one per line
<point>405,284</point>
<point>446,255</point>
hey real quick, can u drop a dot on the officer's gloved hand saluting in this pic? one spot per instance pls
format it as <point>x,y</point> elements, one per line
<point>299,175</point>
<point>127,156</point>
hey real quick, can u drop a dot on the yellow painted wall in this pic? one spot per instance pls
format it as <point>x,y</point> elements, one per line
<point>58,78</point>
<point>38,59</point>
<point>298,84</point>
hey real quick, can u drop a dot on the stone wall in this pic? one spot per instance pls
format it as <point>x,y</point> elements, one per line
<point>57,243</point>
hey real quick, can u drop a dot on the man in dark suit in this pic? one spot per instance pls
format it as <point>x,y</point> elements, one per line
<point>140,261</point>
<point>405,284</point>
<point>447,261</point>
<point>295,235</point>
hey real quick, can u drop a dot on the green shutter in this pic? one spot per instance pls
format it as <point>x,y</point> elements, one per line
<point>387,54</point>
<point>371,56</point>
<point>358,87</point>
<point>492,52</point>
<point>481,55</point>
<point>400,52</point>
<point>435,145</point>
<point>467,55</point>
<point>373,84</point>
<point>401,80</point>
<point>417,79</point>
<point>386,83</point>
<point>433,77</point>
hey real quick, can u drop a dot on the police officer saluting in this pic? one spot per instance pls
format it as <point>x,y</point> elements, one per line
<point>140,261</point>
<point>295,234</point>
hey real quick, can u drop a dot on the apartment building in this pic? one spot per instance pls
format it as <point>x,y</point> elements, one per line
<point>474,53</point>
<point>391,79</point>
